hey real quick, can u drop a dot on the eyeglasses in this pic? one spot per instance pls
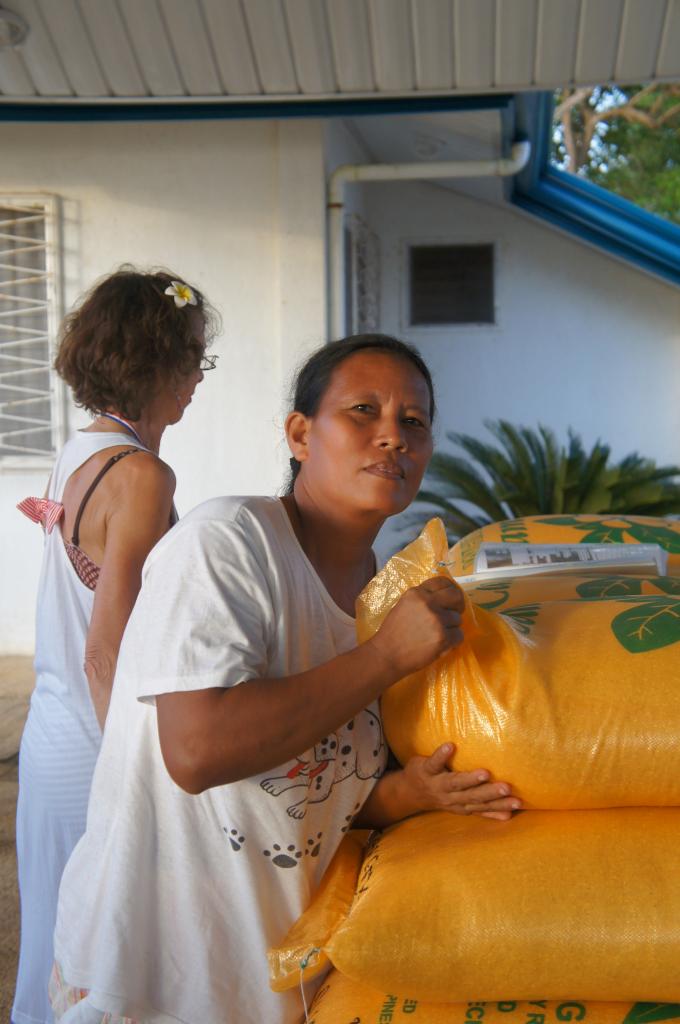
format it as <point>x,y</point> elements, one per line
<point>207,363</point>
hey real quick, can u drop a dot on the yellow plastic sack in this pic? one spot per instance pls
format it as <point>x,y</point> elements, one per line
<point>506,592</point>
<point>341,1000</point>
<point>574,529</point>
<point>574,700</point>
<point>570,906</point>
<point>301,954</point>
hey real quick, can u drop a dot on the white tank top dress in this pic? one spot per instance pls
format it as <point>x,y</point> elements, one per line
<point>59,745</point>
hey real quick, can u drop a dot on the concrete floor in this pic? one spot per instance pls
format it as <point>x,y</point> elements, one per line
<point>16,683</point>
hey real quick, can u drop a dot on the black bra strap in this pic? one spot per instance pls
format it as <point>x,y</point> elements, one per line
<point>88,493</point>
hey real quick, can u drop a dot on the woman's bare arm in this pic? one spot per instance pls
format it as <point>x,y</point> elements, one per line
<point>216,736</point>
<point>138,516</point>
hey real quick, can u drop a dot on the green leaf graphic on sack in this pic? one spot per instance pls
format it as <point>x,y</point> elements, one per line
<point>649,1013</point>
<point>653,622</point>
<point>667,539</point>
<point>523,617</point>
<point>501,589</point>
<point>601,533</point>
<point>564,521</point>
<point>593,532</point>
<point>669,584</point>
<point>607,587</point>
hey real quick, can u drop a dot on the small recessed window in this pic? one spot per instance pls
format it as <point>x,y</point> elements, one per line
<point>451,284</point>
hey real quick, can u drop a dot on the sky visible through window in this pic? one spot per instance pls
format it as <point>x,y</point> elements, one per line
<point>625,139</point>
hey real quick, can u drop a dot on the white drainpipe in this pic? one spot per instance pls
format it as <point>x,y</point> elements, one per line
<point>441,169</point>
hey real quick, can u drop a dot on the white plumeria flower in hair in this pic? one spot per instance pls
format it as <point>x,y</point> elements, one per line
<point>181,293</point>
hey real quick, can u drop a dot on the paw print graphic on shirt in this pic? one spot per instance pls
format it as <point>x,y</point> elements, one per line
<point>349,819</point>
<point>234,838</point>
<point>291,856</point>
<point>281,858</point>
<point>313,846</point>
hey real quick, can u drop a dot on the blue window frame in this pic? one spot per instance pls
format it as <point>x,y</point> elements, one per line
<point>587,210</point>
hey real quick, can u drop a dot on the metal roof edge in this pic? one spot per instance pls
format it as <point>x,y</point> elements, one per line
<point>268,109</point>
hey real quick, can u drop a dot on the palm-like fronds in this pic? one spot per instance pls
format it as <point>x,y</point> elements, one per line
<point>528,473</point>
<point>587,478</point>
<point>459,479</point>
<point>645,488</point>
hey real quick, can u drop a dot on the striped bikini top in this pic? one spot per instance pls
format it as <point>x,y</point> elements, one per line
<point>87,570</point>
<point>48,512</point>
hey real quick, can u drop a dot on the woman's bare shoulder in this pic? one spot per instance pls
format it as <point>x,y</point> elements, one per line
<point>143,476</point>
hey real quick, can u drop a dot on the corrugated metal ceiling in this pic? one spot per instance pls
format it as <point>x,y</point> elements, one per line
<point>174,50</point>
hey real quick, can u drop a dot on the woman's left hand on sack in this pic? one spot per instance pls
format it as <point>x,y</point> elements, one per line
<point>428,784</point>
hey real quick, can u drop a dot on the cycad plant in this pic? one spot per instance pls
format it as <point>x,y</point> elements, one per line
<point>528,473</point>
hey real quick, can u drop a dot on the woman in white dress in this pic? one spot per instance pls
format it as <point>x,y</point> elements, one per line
<point>244,733</point>
<point>133,353</point>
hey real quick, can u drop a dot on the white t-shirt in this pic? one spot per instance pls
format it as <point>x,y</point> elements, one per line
<point>170,901</point>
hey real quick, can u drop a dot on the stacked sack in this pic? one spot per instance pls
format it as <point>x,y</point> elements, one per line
<point>569,688</point>
<point>341,1001</point>
<point>576,529</point>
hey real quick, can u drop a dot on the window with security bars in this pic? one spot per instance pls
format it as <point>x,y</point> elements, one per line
<point>30,398</point>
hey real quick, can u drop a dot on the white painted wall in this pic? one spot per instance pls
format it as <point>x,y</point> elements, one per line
<point>237,208</point>
<point>581,339</point>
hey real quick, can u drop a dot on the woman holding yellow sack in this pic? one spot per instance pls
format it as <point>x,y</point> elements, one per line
<point>244,734</point>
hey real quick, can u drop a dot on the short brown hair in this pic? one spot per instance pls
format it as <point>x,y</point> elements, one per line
<point>125,335</point>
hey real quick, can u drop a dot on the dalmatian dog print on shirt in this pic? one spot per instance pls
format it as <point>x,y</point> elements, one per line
<point>358,748</point>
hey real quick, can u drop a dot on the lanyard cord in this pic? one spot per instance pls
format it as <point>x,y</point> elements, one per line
<point>123,423</point>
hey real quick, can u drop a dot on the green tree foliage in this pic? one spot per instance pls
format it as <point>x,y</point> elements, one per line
<point>624,138</point>
<point>527,473</point>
